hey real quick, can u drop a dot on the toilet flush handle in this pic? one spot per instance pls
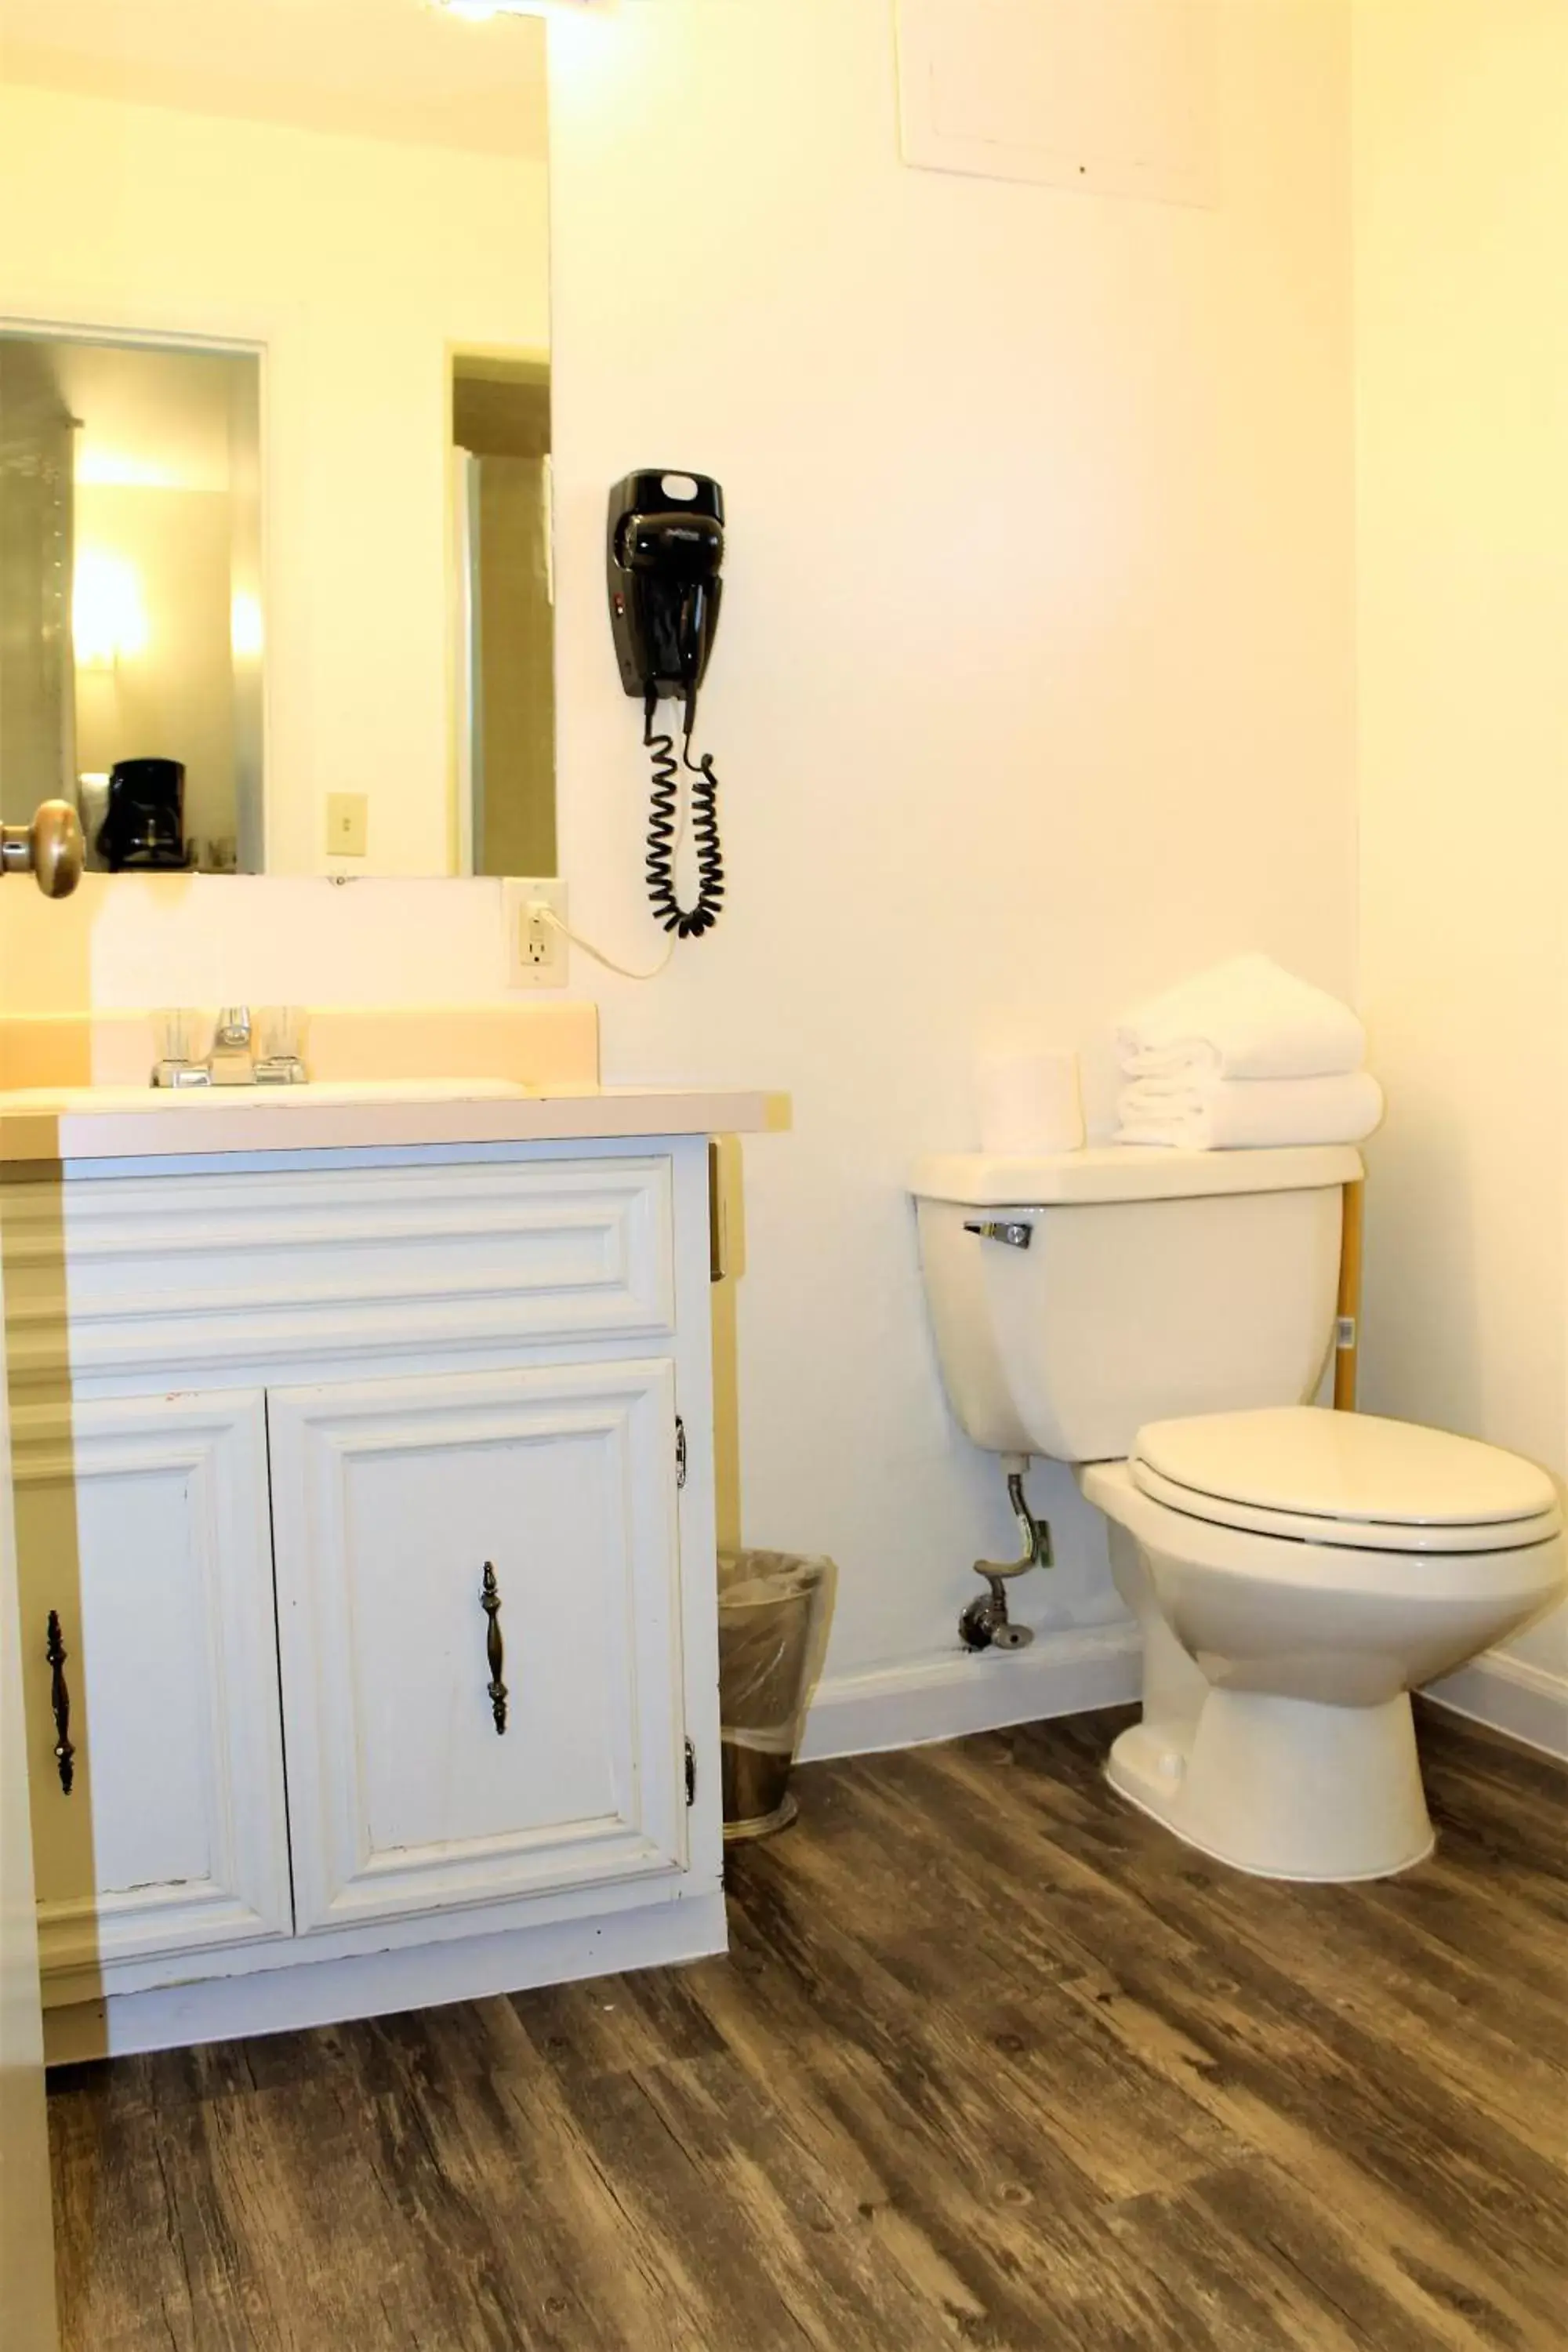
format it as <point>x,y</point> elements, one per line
<point>1012,1231</point>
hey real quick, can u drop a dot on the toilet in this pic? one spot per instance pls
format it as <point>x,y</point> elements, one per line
<point>1159,1320</point>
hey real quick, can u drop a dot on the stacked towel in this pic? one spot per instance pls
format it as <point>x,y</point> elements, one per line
<point>1245,1019</point>
<point>1233,1114</point>
<point>1242,1056</point>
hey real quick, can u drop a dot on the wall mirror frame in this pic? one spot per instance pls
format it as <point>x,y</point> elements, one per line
<point>390,688</point>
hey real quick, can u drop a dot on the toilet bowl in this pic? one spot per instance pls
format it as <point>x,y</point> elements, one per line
<point>1159,1320</point>
<point>1296,1573</point>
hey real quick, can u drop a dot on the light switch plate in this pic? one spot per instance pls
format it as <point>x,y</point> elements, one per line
<point>348,825</point>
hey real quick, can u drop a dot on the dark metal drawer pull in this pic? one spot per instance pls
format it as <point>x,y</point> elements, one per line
<point>489,1602</point>
<point>60,1701</point>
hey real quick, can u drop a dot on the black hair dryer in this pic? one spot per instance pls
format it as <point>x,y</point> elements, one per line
<point>665,551</point>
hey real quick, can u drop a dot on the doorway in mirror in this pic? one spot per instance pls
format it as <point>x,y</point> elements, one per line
<point>505,596</point>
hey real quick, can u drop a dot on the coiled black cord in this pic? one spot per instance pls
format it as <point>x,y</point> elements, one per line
<point>686,922</point>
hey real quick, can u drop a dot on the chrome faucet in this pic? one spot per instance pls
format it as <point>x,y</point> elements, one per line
<point>231,1062</point>
<point>236,1056</point>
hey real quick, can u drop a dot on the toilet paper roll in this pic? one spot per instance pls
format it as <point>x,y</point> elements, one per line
<point>1030,1104</point>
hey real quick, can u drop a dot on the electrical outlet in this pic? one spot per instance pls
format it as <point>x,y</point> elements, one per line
<point>348,825</point>
<point>536,947</point>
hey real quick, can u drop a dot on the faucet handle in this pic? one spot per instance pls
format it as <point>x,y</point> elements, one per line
<point>280,1033</point>
<point>178,1062</point>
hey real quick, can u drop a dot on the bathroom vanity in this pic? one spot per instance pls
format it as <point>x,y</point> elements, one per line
<point>363,1448</point>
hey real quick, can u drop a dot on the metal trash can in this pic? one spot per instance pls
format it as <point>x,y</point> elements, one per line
<point>775,1612</point>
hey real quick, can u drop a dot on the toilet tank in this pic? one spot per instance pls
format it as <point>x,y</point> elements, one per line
<point>1154,1284</point>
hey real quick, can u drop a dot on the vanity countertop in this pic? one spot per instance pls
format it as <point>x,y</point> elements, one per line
<point>73,1123</point>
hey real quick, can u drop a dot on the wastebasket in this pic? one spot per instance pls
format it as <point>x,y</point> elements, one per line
<point>775,1612</point>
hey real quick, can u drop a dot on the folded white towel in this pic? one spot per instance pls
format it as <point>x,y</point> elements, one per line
<point>1237,1114</point>
<point>1245,1019</point>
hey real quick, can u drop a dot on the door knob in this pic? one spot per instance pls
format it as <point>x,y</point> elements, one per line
<point>50,848</point>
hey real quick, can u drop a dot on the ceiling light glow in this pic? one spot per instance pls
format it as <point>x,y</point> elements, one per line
<point>108,616</point>
<point>245,628</point>
<point>480,12</point>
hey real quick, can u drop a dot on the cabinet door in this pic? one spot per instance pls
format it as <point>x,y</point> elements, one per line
<point>141,1528</point>
<point>401,1507</point>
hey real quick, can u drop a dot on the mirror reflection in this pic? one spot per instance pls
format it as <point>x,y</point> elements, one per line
<point>506,684</point>
<point>131,615</point>
<point>275,431</point>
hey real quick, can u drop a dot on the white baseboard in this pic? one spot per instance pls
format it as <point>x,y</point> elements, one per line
<point>959,1691</point>
<point>1510,1695</point>
<point>423,1976</point>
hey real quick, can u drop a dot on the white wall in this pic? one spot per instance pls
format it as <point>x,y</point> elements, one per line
<point>1462,180</point>
<point>357,262</point>
<point>1033,687</point>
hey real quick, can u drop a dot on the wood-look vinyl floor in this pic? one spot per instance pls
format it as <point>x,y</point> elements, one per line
<point>993,2063</point>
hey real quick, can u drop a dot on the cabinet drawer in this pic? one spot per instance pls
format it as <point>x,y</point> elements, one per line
<point>204,1270</point>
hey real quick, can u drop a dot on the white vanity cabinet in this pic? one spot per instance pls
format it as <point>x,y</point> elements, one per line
<point>373,1494</point>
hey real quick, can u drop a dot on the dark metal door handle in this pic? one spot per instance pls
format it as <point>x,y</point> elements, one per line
<point>55,1650</point>
<point>489,1602</point>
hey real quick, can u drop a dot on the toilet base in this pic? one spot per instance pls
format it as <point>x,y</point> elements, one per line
<point>1284,1788</point>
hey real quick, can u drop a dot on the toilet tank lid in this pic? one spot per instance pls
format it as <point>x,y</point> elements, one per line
<point>1126,1172</point>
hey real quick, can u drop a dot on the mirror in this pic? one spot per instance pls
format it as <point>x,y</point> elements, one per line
<point>276,567</point>
<point>130,616</point>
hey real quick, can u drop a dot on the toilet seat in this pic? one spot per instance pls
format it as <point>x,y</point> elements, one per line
<point>1353,1534</point>
<point>1301,1473</point>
